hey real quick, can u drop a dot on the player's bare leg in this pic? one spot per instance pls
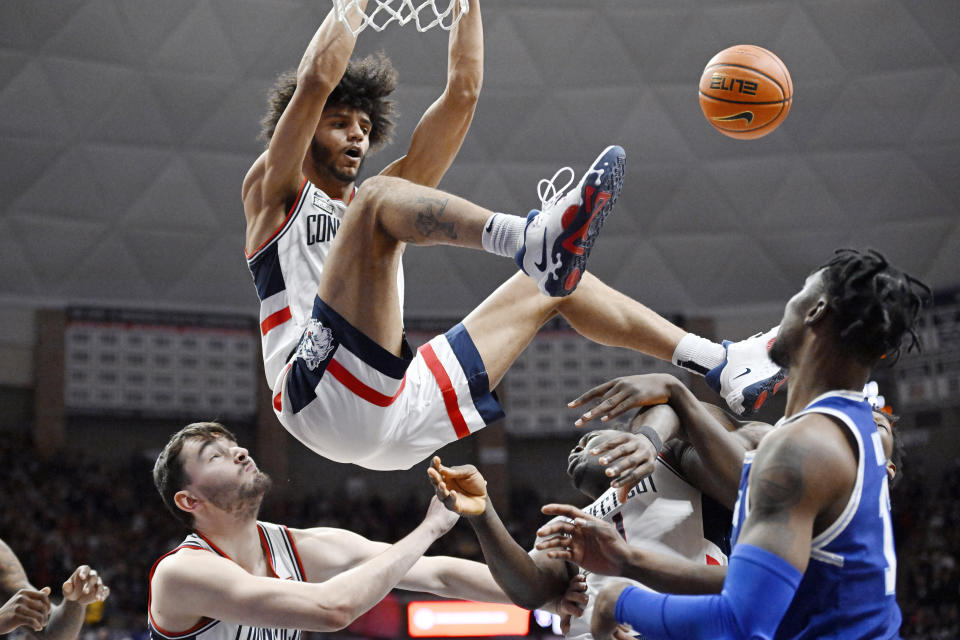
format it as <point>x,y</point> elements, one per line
<point>505,323</point>
<point>359,280</point>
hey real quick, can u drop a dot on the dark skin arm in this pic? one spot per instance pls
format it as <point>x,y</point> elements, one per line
<point>30,608</point>
<point>529,581</point>
<point>707,428</point>
<point>596,546</point>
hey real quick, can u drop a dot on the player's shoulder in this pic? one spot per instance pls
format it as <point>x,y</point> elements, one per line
<point>814,445</point>
<point>181,563</point>
<point>324,536</point>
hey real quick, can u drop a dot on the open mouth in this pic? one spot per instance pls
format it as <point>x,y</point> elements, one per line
<point>353,153</point>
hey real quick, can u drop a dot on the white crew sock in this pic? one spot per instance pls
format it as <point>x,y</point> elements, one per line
<point>698,355</point>
<point>503,234</point>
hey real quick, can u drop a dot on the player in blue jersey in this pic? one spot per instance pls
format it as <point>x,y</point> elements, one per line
<point>812,534</point>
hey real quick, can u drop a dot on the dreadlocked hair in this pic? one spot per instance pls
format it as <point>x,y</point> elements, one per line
<point>875,305</point>
<point>365,85</point>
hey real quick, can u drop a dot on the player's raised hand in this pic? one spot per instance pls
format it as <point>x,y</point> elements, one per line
<point>26,608</point>
<point>619,395</point>
<point>627,459</point>
<point>461,489</point>
<point>583,540</point>
<point>85,586</point>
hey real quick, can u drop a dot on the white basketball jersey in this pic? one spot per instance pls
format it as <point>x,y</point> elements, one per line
<point>663,513</point>
<point>285,565</point>
<point>286,271</point>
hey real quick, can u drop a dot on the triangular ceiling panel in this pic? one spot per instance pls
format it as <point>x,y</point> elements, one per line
<point>917,243</point>
<point>936,116</point>
<point>66,190</point>
<point>197,44</point>
<point>174,201</point>
<point>95,32</point>
<point>31,106</point>
<point>152,23</point>
<point>132,117</point>
<point>254,27</point>
<point>90,88</point>
<point>122,173</point>
<point>43,20</point>
<point>22,163</point>
<point>187,101</point>
<point>19,273</point>
<point>54,247</point>
<point>508,61</point>
<point>107,274</point>
<point>151,250</point>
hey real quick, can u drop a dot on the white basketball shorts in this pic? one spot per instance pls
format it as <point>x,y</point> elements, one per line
<point>351,400</point>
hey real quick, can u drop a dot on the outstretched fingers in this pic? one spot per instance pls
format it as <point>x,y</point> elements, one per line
<point>596,392</point>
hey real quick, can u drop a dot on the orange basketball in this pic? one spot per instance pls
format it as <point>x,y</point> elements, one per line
<point>745,91</point>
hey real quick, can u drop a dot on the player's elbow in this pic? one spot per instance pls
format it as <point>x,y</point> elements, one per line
<point>463,87</point>
<point>313,81</point>
<point>336,619</point>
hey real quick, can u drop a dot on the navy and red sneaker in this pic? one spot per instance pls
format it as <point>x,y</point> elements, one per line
<point>748,377</point>
<point>558,238</point>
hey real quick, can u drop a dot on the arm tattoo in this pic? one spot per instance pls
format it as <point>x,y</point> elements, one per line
<point>428,218</point>
<point>778,484</point>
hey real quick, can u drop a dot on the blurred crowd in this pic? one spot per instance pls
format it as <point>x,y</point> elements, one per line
<point>67,510</point>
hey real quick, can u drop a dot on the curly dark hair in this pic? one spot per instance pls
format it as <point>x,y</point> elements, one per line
<point>875,305</point>
<point>168,474</point>
<point>366,85</point>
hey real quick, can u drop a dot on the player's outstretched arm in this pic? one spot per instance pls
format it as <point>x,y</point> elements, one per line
<point>720,452</point>
<point>800,472</point>
<point>23,605</point>
<point>193,584</point>
<point>529,581</point>
<point>444,125</point>
<point>276,175</point>
<point>595,545</point>
<point>327,552</point>
<point>30,608</point>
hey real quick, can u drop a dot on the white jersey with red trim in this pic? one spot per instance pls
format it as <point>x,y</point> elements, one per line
<point>286,271</point>
<point>285,564</point>
<point>663,513</point>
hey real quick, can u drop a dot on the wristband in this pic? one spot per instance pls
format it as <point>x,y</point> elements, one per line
<point>652,435</point>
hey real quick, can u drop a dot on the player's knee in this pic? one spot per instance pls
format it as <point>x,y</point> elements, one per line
<point>375,196</point>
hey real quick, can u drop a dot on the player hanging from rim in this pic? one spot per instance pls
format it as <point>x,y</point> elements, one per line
<point>812,536</point>
<point>344,381</point>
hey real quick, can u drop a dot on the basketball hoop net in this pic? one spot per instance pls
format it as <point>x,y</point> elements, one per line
<point>380,13</point>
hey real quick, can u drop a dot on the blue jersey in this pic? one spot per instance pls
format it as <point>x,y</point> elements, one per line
<point>849,588</point>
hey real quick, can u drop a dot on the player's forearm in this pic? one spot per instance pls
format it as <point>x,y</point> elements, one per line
<point>721,452</point>
<point>454,578</point>
<point>661,418</point>
<point>465,56</point>
<point>12,576</point>
<point>345,597</point>
<point>670,574</point>
<point>66,619</point>
<point>513,569</point>
<point>329,51</point>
